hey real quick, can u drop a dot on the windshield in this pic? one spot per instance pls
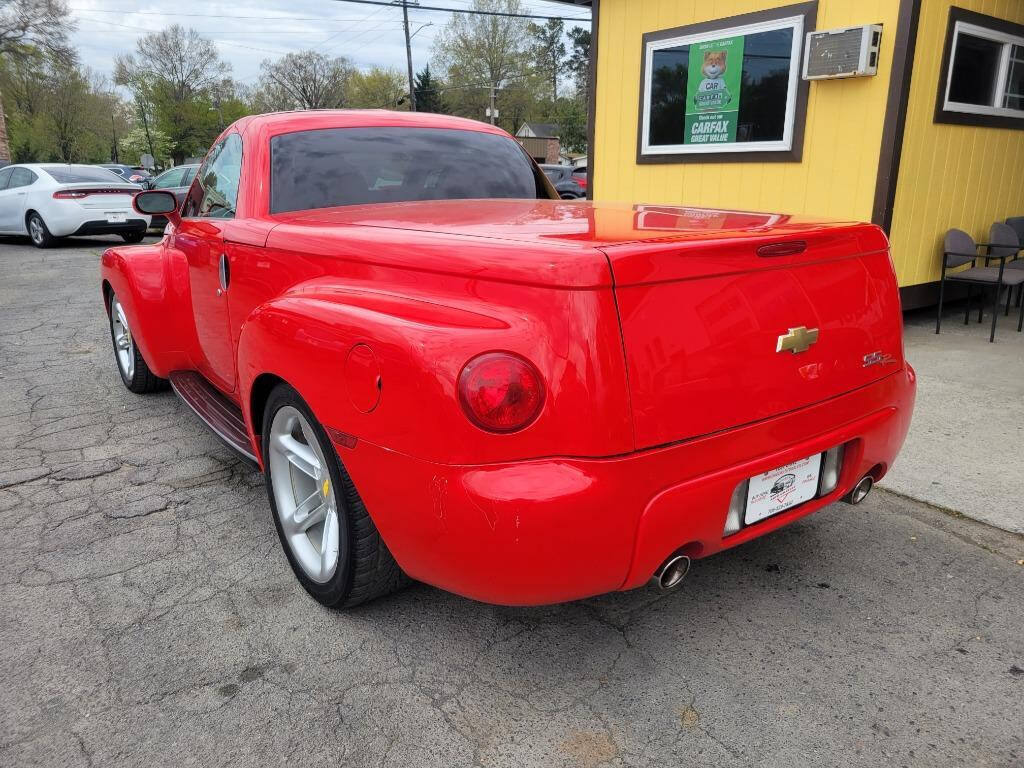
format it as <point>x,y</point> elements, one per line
<point>353,166</point>
<point>73,174</point>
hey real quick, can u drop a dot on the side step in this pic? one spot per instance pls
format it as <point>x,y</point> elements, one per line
<point>221,415</point>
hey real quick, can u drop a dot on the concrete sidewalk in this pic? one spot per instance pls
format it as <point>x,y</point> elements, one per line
<point>965,450</point>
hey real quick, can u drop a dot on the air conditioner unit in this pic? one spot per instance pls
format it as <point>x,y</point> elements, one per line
<point>846,52</point>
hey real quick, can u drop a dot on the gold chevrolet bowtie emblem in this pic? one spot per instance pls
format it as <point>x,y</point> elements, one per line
<point>797,340</point>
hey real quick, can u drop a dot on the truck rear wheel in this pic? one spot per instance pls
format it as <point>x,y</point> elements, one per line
<point>330,540</point>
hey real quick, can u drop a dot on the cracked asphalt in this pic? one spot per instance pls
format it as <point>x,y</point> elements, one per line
<point>148,616</point>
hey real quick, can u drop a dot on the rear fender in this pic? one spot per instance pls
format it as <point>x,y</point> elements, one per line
<point>383,367</point>
<point>152,287</point>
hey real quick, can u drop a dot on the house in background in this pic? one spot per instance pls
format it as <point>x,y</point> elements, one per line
<point>927,135</point>
<point>541,141</point>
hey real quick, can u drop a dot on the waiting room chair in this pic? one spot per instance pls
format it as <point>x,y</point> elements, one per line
<point>959,249</point>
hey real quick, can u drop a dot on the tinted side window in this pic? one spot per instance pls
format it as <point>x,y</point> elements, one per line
<point>216,192</point>
<point>173,178</point>
<point>353,166</point>
<point>21,177</point>
<point>5,177</point>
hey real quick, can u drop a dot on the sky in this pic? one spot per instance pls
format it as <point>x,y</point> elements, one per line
<point>249,31</point>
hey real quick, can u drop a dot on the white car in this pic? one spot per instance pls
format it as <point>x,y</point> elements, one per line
<point>46,201</point>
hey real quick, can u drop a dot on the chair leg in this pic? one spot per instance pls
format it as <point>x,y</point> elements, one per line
<point>1020,318</point>
<point>942,290</point>
<point>967,312</point>
<point>1009,295</point>
<point>995,313</point>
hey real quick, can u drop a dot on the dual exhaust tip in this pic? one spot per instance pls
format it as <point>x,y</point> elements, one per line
<point>860,490</point>
<point>672,572</point>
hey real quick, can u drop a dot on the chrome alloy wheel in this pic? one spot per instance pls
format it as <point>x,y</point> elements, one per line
<point>35,230</point>
<point>124,346</point>
<point>304,494</point>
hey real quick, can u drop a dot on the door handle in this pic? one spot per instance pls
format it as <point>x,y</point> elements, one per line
<point>225,274</point>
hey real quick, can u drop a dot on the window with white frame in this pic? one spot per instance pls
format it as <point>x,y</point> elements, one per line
<point>983,82</point>
<point>726,88</point>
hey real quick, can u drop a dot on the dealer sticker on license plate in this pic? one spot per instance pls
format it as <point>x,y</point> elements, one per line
<point>776,491</point>
<point>117,218</point>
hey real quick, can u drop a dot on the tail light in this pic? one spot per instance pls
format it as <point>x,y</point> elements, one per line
<point>500,392</point>
<point>78,194</point>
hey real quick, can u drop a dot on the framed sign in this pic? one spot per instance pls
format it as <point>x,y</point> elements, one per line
<point>720,90</point>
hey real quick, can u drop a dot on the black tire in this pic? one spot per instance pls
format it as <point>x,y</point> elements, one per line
<point>38,232</point>
<point>142,381</point>
<point>133,237</point>
<point>366,569</point>
<point>569,196</point>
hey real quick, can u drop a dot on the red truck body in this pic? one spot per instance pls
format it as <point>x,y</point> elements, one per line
<point>658,333</point>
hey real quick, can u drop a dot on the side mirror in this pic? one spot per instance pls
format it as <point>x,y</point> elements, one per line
<point>157,202</point>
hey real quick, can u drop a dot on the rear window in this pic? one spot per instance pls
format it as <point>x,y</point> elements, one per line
<point>354,166</point>
<point>74,174</point>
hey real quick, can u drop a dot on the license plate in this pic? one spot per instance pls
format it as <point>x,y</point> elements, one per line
<point>116,218</point>
<point>772,492</point>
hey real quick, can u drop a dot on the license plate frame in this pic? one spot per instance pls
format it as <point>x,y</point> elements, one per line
<point>783,488</point>
<point>116,217</point>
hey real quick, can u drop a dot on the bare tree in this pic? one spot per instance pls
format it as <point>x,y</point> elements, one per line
<point>303,80</point>
<point>27,26</point>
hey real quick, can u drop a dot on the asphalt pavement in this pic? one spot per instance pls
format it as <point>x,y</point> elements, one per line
<point>148,615</point>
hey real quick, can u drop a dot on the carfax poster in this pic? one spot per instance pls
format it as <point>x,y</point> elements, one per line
<point>713,91</point>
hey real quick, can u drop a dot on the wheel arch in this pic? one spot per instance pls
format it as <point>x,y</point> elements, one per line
<point>259,393</point>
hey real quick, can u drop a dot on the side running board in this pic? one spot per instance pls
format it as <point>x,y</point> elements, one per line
<point>222,416</point>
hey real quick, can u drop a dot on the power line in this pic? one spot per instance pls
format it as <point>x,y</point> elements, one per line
<point>473,12</point>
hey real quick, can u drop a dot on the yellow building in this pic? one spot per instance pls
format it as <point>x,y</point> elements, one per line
<point>929,138</point>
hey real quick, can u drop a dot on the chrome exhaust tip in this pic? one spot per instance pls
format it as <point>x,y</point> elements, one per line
<point>671,573</point>
<point>860,490</point>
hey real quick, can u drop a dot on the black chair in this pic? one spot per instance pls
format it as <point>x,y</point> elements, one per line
<point>1017,224</point>
<point>959,249</point>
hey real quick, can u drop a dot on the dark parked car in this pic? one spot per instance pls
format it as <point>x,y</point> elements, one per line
<point>567,186</point>
<point>176,180</point>
<point>128,173</point>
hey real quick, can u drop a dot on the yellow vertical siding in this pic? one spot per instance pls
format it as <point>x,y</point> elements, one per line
<point>842,134</point>
<point>950,175</point>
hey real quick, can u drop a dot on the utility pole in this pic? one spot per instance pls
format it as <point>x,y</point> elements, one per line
<point>493,112</point>
<point>408,50</point>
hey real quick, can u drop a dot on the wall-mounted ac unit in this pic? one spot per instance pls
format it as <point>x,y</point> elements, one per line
<point>846,52</point>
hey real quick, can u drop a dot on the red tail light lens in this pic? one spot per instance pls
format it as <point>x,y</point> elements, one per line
<point>500,392</point>
<point>78,194</point>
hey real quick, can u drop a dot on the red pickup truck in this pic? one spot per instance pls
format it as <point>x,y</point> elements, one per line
<point>461,379</point>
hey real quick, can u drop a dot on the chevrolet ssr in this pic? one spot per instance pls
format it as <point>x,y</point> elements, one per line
<point>462,379</point>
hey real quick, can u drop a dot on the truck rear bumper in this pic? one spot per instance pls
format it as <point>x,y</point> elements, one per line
<point>551,530</point>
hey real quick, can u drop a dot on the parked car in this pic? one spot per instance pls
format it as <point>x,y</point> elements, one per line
<point>579,175</point>
<point>519,399</point>
<point>47,201</point>
<point>175,180</point>
<point>129,173</point>
<point>566,184</point>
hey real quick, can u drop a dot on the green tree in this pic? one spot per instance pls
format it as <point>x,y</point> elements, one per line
<point>138,142</point>
<point>174,75</point>
<point>482,54</point>
<point>429,92</point>
<point>378,88</point>
<point>548,52</point>
<point>27,28</point>
<point>579,60</point>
